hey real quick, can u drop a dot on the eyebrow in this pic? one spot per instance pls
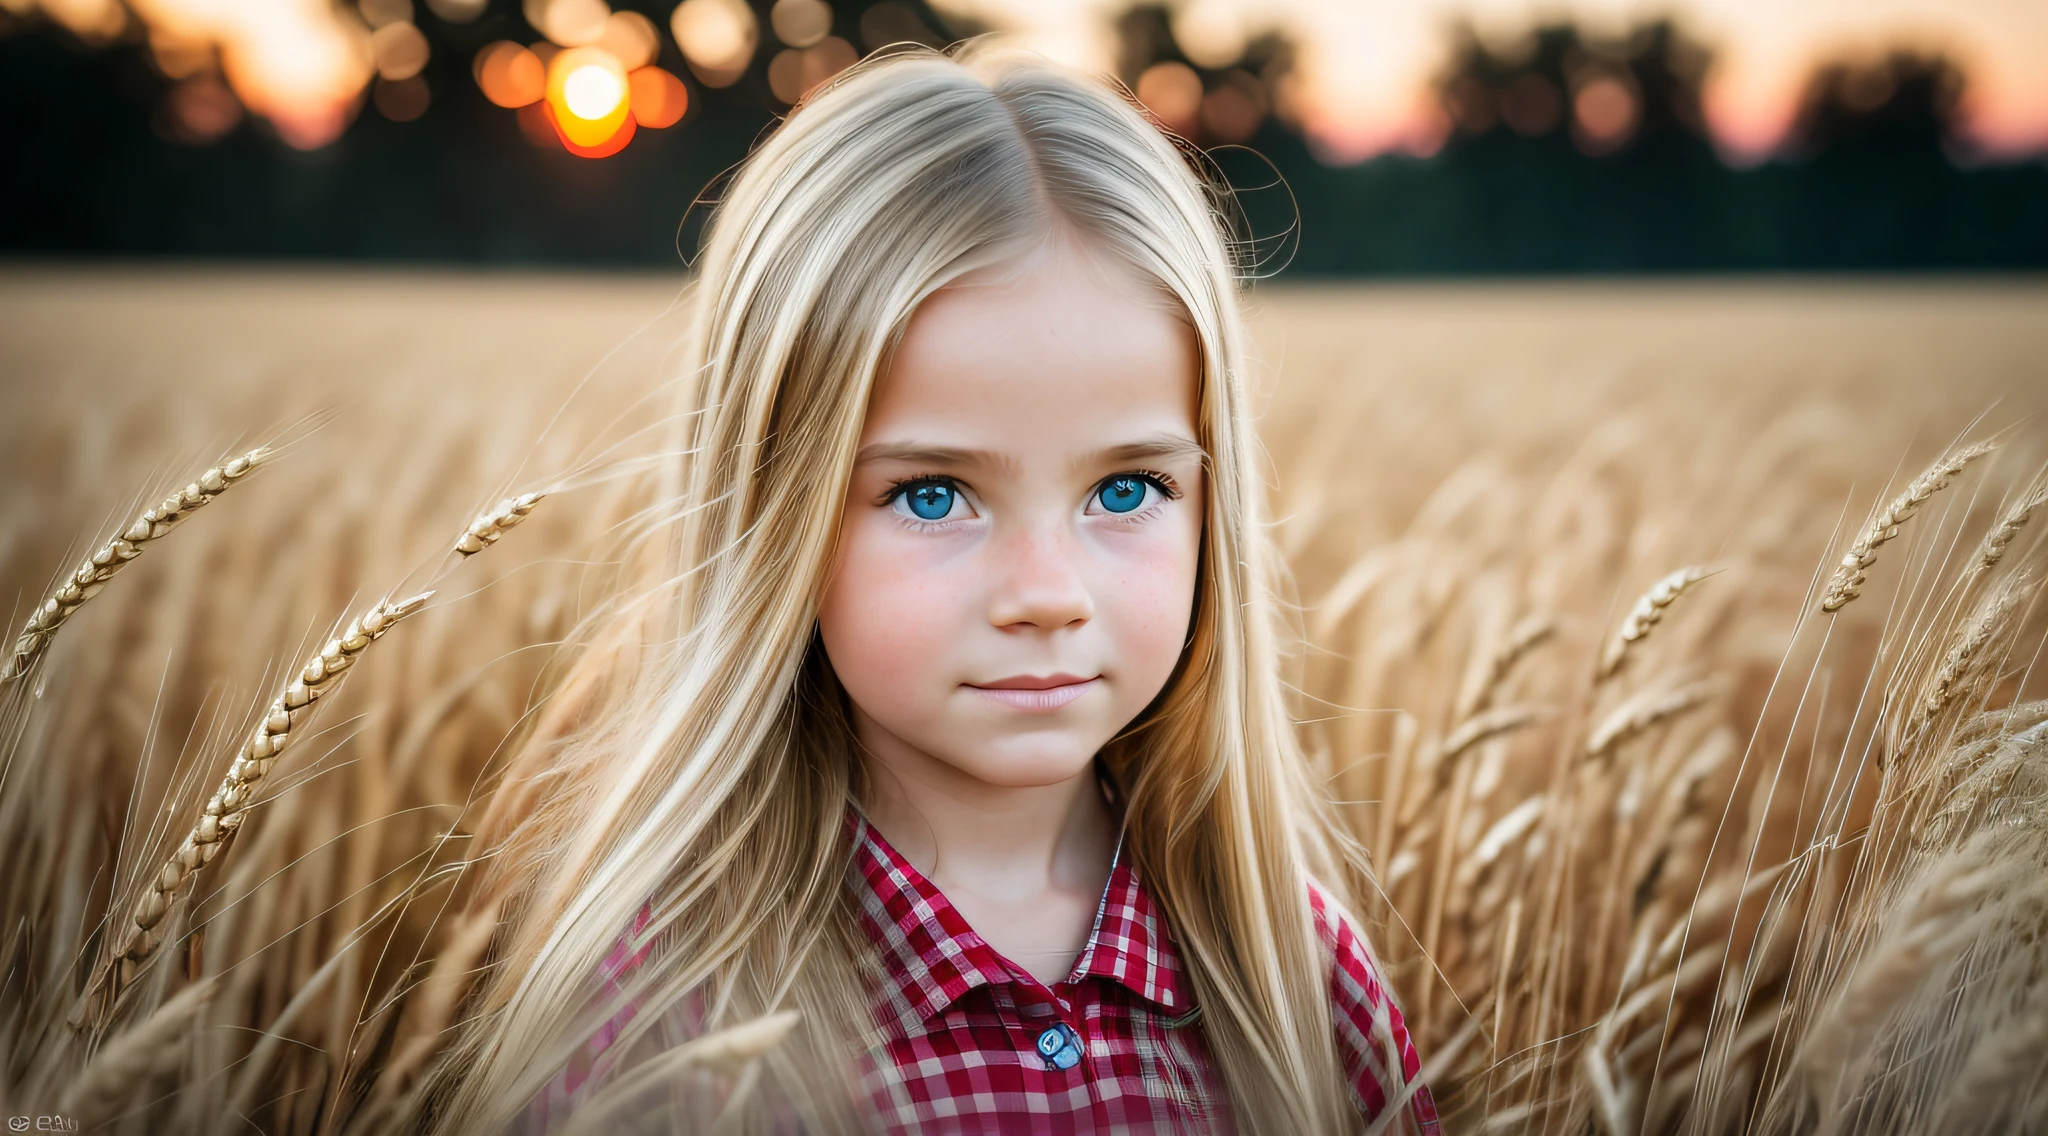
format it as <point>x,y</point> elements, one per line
<point>921,453</point>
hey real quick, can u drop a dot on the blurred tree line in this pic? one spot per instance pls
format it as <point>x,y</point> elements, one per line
<point>1565,152</point>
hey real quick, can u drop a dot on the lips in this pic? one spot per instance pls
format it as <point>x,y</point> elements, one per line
<point>1036,693</point>
<point>1031,682</point>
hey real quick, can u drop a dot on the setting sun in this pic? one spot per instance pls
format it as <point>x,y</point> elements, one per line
<point>587,91</point>
<point>591,91</point>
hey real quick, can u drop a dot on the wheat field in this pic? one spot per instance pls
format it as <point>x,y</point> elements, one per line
<point>1683,824</point>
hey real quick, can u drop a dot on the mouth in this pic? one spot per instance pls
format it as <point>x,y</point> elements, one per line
<point>1036,694</point>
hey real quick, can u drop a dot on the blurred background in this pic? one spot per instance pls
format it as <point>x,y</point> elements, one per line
<point>1556,297</point>
<point>1409,137</point>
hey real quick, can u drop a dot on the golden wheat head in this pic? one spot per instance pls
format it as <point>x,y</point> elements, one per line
<point>1847,582</point>
<point>141,934</point>
<point>1648,610</point>
<point>100,567</point>
<point>488,527</point>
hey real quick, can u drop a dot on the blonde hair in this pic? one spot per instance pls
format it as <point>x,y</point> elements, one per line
<point>713,760</point>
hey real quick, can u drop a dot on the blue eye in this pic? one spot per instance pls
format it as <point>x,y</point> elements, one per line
<point>1122,494</point>
<point>931,501</point>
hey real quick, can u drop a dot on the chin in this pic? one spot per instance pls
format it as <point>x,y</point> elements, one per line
<point>1030,769</point>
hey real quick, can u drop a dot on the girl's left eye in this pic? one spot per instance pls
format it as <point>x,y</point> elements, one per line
<point>1125,493</point>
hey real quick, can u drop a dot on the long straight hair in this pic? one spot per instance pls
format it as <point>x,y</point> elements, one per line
<point>711,758</point>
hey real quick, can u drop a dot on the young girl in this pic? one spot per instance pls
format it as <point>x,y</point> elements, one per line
<point>955,722</point>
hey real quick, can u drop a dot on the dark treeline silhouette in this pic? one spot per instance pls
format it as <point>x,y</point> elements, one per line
<point>1571,153</point>
<point>1564,152</point>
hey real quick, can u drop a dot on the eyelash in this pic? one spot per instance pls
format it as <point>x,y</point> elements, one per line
<point>1167,485</point>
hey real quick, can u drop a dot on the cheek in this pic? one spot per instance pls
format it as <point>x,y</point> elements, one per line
<point>889,621</point>
<point>1153,605</point>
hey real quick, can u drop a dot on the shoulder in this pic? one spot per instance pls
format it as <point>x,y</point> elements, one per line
<point>1372,1036</point>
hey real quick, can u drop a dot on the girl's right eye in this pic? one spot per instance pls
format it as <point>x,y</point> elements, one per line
<point>924,499</point>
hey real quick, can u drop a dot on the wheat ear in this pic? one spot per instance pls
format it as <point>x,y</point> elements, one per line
<point>1847,581</point>
<point>1526,635</point>
<point>141,935</point>
<point>1956,664</point>
<point>1999,539</point>
<point>488,527</point>
<point>100,567</point>
<point>727,1051</point>
<point>1488,724</point>
<point>136,1056</point>
<point>1643,711</point>
<point>1648,610</point>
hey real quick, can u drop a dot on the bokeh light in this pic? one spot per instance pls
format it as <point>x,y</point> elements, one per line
<point>571,23</point>
<point>1211,33</point>
<point>94,21</point>
<point>1605,111</point>
<point>300,64</point>
<point>630,38</point>
<point>1172,91</point>
<point>1232,112</point>
<point>587,96</point>
<point>717,38</point>
<point>659,98</point>
<point>200,110</point>
<point>510,75</point>
<point>180,58</point>
<point>796,72</point>
<point>400,51</point>
<point>801,23</point>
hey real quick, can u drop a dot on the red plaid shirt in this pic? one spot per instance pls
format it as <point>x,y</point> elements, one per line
<point>973,1043</point>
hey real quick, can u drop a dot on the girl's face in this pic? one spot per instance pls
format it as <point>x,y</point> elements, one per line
<point>1016,565</point>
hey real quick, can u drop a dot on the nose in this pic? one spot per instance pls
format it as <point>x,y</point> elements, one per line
<point>1039,577</point>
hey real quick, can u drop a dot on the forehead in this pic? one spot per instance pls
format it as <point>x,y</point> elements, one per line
<point>1063,349</point>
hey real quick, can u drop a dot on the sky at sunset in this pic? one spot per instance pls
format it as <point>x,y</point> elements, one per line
<point>1365,63</point>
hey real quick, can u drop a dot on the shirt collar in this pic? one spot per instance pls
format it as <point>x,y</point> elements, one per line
<point>930,957</point>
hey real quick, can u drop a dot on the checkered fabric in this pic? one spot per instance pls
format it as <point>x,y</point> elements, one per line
<point>963,1026</point>
<point>972,1043</point>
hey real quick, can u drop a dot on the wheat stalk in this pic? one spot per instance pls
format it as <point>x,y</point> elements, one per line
<point>1847,581</point>
<point>93,574</point>
<point>141,935</point>
<point>488,527</point>
<point>1648,610</point>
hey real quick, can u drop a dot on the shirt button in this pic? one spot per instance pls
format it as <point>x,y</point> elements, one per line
<point>1060,1046</point>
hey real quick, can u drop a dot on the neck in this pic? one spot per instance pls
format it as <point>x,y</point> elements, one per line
<point>995,839</point>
